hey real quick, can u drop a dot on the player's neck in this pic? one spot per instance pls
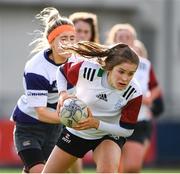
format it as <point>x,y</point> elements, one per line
<point>57,59</point>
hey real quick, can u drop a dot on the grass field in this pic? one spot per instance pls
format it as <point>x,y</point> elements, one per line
<point>92,170</point>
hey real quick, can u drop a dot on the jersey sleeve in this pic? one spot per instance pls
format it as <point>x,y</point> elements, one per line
<point>61,80</point>
<point>152,79</point>
<point>67,74</point>
<point>128,119</point>
<point>129,113</point>
<point>115,129</point>
<point>36,89</point>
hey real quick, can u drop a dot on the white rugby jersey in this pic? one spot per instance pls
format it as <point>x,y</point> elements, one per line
<point>117,110</point>
<point>40,87</point>
<point>147,80</point>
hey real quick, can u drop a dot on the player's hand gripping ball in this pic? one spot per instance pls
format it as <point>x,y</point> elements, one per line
<point>72,111</point>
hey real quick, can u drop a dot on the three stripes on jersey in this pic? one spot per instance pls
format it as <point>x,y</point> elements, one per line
<point>89,74</point>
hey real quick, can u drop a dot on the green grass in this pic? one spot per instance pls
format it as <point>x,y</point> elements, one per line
<point>10,170</point>
<point>92,170</point>
<point>146,170</point>
<point>161,170</point>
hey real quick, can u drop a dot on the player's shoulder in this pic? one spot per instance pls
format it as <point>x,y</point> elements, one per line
<point>144,60</point>
<point>89,70</point>
<point>135,84</point>
<point>75,58</point>
<point>90,64</point>
<point>90,67</point>
<point>36,63</point>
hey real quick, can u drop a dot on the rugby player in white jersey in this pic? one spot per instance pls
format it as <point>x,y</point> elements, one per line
<point>113,98</point>
<point>37,122</point>
<point>136,145</point>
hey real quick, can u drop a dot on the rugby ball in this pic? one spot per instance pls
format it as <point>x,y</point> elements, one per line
<point>72,111</point>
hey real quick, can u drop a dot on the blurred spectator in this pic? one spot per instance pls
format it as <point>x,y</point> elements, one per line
<point>136,146</point>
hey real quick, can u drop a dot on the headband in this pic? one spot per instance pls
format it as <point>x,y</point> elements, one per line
<point>59,30</point>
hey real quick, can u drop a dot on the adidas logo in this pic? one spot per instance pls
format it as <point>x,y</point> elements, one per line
<point>102,97</point>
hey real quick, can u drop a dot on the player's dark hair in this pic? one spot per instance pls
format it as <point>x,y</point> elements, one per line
<point>107,57</point>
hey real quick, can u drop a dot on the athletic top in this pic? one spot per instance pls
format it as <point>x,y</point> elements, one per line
<point>39,82</point>
<point>147,80</point>
<point>117,110</point>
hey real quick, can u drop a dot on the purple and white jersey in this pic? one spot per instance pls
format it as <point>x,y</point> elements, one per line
<point>39,82</point>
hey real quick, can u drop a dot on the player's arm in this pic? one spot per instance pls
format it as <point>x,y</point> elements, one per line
<point>128,119</point>
<point>157,103</point>
<point>67,73</point>
<point>36,92</point>
<point>153,85</point>
<point>126,126</point>
<point>47,116</point>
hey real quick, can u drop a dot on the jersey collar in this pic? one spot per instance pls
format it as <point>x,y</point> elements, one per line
<point>47,52</point>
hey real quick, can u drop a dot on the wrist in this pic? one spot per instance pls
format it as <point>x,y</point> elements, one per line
<point>97,122</point>
<point>63,93</point>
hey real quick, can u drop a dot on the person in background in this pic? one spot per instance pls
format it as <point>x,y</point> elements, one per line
<point>157,106</point>
<point>86,25</point>
<point>113,98</point>
<point>37,123</point>
<point>140,48</point>
<point>136,145</point>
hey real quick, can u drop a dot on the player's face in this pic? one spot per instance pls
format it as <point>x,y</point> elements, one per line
<point>83,31</point>
<point>125,37</point>
<point>120,76</point>
<point>65,38</point>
